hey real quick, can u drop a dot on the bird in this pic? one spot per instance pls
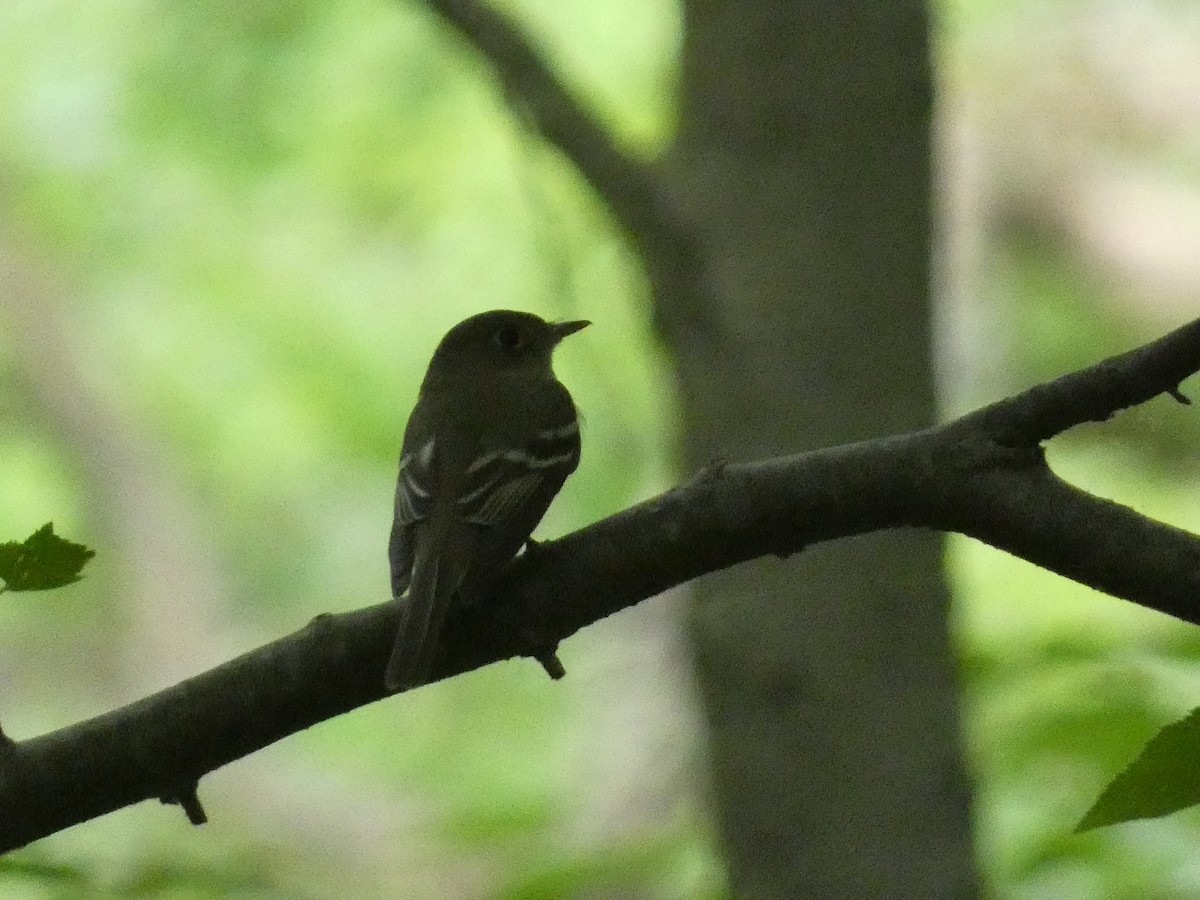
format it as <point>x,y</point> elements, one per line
<point>492,438</point>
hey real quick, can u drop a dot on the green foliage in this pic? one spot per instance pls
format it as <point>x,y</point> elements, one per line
<point>620,871</point>
<point>42,561</point>
<point>1164,778</point>
<point>1062,685</point>
<point>256,219</point>
<point>33,874</point>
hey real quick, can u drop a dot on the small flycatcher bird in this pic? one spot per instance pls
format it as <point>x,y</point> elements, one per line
<point>490,442</point>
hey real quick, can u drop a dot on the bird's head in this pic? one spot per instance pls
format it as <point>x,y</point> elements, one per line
<point>500,341</point>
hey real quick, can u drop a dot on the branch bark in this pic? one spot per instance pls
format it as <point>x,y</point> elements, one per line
<point>983,475</point>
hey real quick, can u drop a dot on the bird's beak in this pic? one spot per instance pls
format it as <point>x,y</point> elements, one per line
<point>560,330</point>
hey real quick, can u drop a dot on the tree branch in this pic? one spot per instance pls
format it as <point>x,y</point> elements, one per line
<point>983,475</point>
<point>630,188</point>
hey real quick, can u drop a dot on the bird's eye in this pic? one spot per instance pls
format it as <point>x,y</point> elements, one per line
<point>508,338</point>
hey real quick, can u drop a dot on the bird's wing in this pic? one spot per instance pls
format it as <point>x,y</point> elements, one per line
<point>499,484</point>
<point>414,500</point>
<point>414,486</point>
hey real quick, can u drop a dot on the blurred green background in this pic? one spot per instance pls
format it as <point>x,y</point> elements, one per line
<point>232,233</point>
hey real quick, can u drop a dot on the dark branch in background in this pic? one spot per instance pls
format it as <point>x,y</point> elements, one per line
<point>629,187</point>
<point>983,475</point>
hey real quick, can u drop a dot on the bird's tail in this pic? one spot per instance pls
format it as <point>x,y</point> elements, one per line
<point>423,612</point>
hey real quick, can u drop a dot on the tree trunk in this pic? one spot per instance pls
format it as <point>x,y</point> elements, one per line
<point>803,161</point>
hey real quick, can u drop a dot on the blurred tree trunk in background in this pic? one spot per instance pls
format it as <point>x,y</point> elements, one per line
<point>803,160</point>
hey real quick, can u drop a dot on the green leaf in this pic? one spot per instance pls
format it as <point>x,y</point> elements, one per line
<point>1163,779</point>
<point>42,561</point>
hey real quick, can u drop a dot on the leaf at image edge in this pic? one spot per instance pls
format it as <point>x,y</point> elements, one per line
<point>42,561</point>
<point>1164,778</point>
